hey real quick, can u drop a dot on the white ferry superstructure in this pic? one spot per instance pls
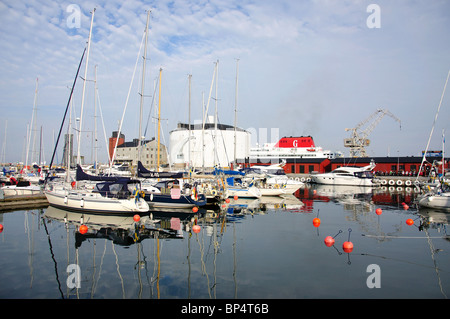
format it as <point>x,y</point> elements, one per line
<point>289,148</point>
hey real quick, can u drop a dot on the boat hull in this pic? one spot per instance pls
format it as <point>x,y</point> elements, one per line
<point>330,179</point>
<point>250,192</point>
<point>441,201</point>
<point>156,201</point>
<point>94,203</point>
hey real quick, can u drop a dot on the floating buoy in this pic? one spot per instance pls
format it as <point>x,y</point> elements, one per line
<point>1,228</point>
<point>314,192</point>
<point>405,207</point>
<point>235,197</point>
<point>136,218</point>
<point>195,209</point>
<point>378,211</point>
<point>196,229</point>
<point>316,222</point>
<point>409,222</point>
<point>83,229</point>
<point>329,241</point>
<point>227,200</point>
<point>347,246</point>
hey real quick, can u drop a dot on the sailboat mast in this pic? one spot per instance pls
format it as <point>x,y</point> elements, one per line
<point>159,121</point>
<point>434,123</point>
<point>216,154</point>
<point>84,90</point>
<point>31,124</point>
<point>95,122</point>
<point>235,110</point>
<point>189,120</point>
<point>142,86</point>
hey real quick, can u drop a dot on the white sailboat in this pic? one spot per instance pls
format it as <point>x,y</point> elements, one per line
<point>109,195</point>
<point>439,196</point>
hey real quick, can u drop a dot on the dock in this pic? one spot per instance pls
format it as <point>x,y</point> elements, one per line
<point>23,202</point>
<point>384,181</point>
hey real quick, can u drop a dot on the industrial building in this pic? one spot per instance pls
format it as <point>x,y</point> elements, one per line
<point>208,145</point>
<point>128,152</point>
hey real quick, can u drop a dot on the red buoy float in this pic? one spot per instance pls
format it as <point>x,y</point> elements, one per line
<point>316,222</point>
<point>196,229</point>
<point>378,211</point>
<point>235,197</point>
<point>195,209</point>
<point>409,222</point>
<point>136,218</point>
<point>347,246</point>
<point>83,229</point>
<point>1,228</point>
<point>329,241</point>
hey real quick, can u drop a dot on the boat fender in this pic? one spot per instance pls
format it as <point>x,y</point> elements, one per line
<point>73,184</point>
<point>214,192</point>
<point>277,186</point>
<point>13,180</point>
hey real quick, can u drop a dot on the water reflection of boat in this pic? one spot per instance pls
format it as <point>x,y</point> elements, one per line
<point>122,230</point>
<point>434,216</point>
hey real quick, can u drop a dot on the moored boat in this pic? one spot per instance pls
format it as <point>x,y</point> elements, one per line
<point>347,175</point>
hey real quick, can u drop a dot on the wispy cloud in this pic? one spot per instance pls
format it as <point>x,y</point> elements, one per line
<point>307,67</point>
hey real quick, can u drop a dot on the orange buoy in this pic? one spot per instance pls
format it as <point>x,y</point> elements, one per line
<point>227,200</point>
<point>316,222</point>
<point>347,246</point>
<point>329,241</point>
<point>136,218</point>
<point>409,222</point>
<point>195,209</point>
<point>1,228</point>
<point>235,197</point>
<point>196,229</point>
<point>378,211</point>
<point>83,229</point>
<point>405,207</point>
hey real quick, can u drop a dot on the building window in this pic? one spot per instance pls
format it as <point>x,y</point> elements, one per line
<point>292,168</point>
<point>311,168</point>
<point>302,169</point>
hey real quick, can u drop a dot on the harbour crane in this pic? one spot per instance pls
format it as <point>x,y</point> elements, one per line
<point>358,140</point>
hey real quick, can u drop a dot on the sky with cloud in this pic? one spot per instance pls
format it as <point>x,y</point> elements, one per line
<point>311,67</point>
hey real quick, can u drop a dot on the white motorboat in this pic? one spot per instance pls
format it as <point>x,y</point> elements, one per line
<point>277,178</point>
<point>244,192</point>
<point>347,175</point>
<point>435,200</point>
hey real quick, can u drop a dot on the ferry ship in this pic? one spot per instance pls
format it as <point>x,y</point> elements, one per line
<point>302,147</point>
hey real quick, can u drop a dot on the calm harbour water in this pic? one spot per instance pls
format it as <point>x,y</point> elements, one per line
<point>250,249</point>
